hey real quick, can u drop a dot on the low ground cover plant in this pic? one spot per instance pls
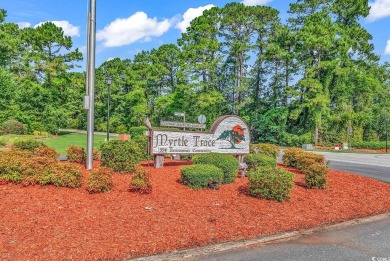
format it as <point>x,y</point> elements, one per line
<point>140,182</point>
<point>200,176</point>
<point>100,180</point>
<point>270,183</point>
<point>227,163</point>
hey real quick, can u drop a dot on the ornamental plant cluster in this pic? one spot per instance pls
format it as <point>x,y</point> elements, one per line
<point>100,180</point>
<point>264,179</point>
<point>38,167</point>
<point>210,170</point>
<point>310,164</point>
<point>140,182</point>
<point>123,155</point>
<point>77,154</point>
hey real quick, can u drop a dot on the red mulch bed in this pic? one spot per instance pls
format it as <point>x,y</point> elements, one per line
<point>50,223</point>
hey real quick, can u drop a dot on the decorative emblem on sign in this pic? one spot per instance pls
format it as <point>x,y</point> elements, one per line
<point>234,136</point>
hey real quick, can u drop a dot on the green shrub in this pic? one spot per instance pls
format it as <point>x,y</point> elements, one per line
<point>316,176</point>
<point>122,155</point>
<point>37,170</point>
<point>66,175</point>
<point>140,182</point>
<point>202,176</point>
<point>10,167</point>
<point>76,154</point>
<point>121,129</point>
<point>269,183</point>
<point>257,160</point>
<point>306,159</point>
<point>96,155</point>
<point>290,156</point>
<point>12,127</point>
<point>36,133</point>
<point>100,180</point>
<point>2,142</point>
<point>46,152</point>
<point>265,148</point>
<point>373,145</point>
<point>137,131</point>
<point>228,164</point>
<point>28,144</point>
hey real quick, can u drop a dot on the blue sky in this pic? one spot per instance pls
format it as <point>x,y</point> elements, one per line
<point>125,27</point>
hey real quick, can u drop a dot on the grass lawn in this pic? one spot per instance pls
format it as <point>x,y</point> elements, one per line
<point>64,140</point>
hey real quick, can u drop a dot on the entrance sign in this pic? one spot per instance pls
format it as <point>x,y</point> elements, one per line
<point>182,124</point>
<point>229,134</point>
<point>179,114</point>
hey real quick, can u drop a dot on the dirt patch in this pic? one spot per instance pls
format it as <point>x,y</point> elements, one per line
<point>50,223</point>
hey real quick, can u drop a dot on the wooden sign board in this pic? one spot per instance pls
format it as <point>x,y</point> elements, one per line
<point>182,124</point>
<point>229,134</point>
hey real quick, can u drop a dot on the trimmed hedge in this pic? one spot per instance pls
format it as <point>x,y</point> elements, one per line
<point>259,160</point>
<point>265,148</point>
<point>122,155</point>
<point>100,180</point>
<point>140,182</point>
<point>270,183</point>
<point>202,176</point>
<point>228,164</point>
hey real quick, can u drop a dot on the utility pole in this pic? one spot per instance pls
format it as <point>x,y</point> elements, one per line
<point>89,100</point>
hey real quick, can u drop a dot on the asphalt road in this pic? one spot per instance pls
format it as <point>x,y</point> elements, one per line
<point>362,242</point>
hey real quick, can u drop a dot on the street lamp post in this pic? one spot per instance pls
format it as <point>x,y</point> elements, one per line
<point>387,136</point>
<point>108,81</point>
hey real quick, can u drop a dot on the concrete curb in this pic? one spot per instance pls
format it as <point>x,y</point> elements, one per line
<point>282,237</point>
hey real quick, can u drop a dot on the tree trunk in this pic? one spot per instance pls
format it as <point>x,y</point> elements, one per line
<point>316,136</point>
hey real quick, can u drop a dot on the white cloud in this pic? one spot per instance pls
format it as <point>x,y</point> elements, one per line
<point>129,30</point>
<point>387,49</point>
<point>379,9</point>
<point>256,2</point>
<point>68,28</point>
<point>23,24</point>
<point>190,15</point>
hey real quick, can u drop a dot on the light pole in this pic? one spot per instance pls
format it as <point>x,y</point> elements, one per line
<point>387,134</point>
<point>108,81</point>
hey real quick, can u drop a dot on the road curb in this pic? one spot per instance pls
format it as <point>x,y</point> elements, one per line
<point>282,237</point>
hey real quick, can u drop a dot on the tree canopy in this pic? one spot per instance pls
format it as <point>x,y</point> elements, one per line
<point>305,80</point>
